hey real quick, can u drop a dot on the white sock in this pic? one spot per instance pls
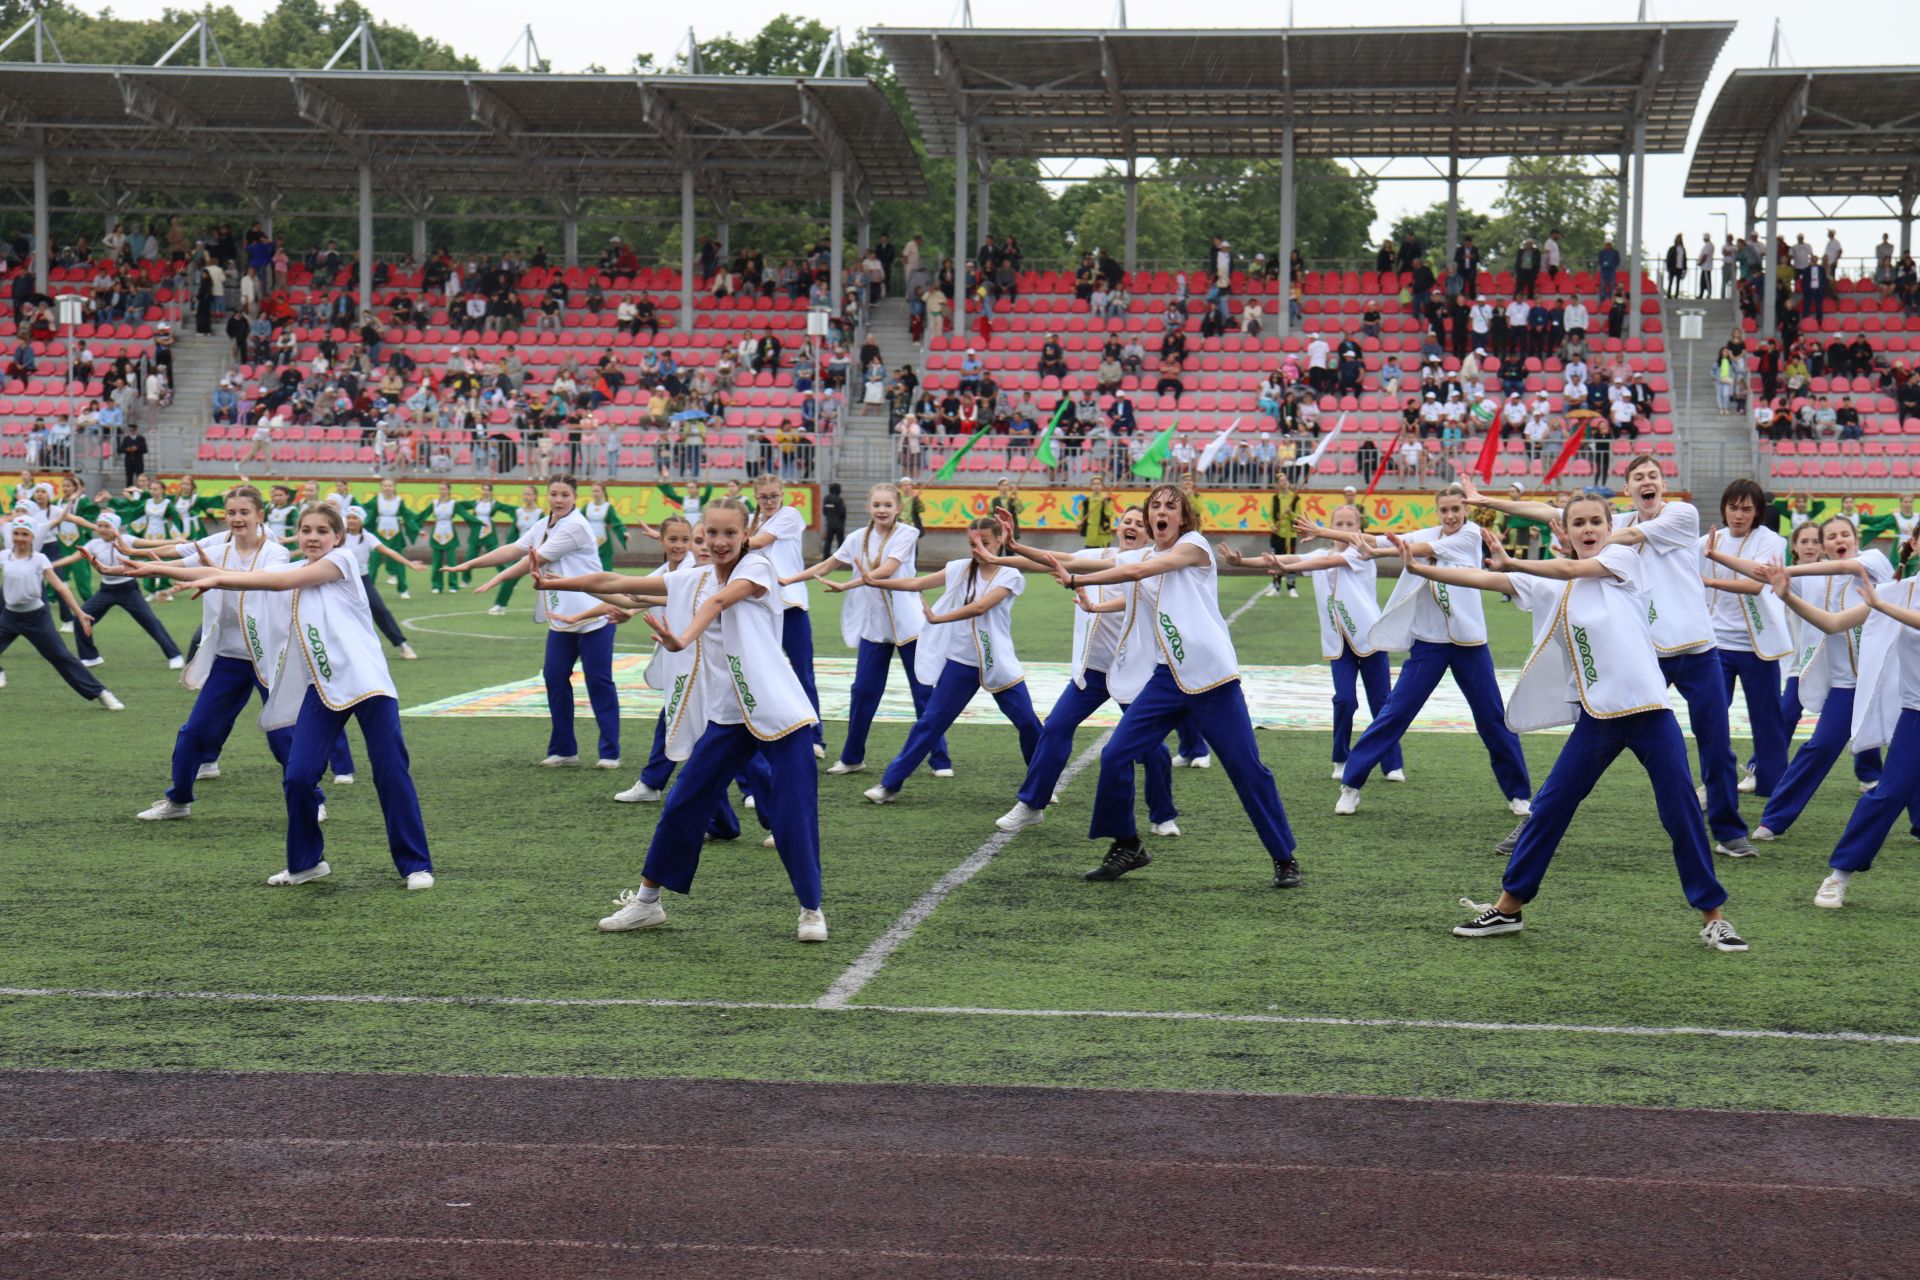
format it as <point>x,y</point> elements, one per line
<point>649,893</point>
<point>1842,876</point>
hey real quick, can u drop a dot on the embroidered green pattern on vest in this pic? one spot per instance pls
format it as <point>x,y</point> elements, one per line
<point>673,699</point>
<point>1652,613</point>
<point>986,650</point>
<point>1337,610</point>
<point>253,642</point>
<point>319,648</point>
<point>1441,598</point>
<point>1174,643</point>
<point>1754,619</point>
<point>553,603</point>
<point>1588,672</point>
<point>740,683</point>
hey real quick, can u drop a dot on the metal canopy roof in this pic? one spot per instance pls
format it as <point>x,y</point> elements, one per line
<point>1405,91</point>
<point>175,128</point>
<point>1835,131</point>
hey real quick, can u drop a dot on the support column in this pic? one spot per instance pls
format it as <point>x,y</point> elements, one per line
<point>1282,314</point>
<point>1453,215</point>
<point>1752,207</point>
<point>263,204</point>
<point>419,239</point>
<point>836,237</point>
<point>724,233</point>
<point>366,237</point>
<point>569,240</point>
<point>686,250</point>
<point>1906,221</point>
<point>982,204</point>
<point>959,307</point>
<point>863,232</point>
<point>42,219</point>
<point>112,213</point>
<point>1130,246</point>
<point>1769,260</point>
<point>1638,261</point>
<point>1620,216</point>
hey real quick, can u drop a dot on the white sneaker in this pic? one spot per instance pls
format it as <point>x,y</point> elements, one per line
<point>420,880</point>
<point>211,769</point>
<point>162,810</point>
<point>1748,781</point>
<point>1396,775</point>
<point>92,662</point>
<point>1294,592</point>
<point>313,872</point>
<point>1761,833</point>
<point>1200,762</point>
<point>1273,590</point>
<point>1520,808</point>
<point>66,628</point>
<point>1056,798</point>
<point>434,592</point>
<point>176,662</point>
<point>406,595</point>
<point>750,803</point>
<point>342,779</point>
<point>943,773</point>
<point>3,679</point>
<point>768,843</point>
<point>1179,761</point>
<point>322,815</point>
<point>638,793</point>
<point>813,927</point>
<point>1867,786</point>
<point>633,914</point>
<point>1349,800</point>
<point>604,763</point>
<point>407,652</point>
<point>1020,817</point>
<point>1167,828</point>
<point>1832,892</point>
<point>110,702</point>
<point>879,794</point>
<point>1339,773</point>
<point>819,752</point>
<point>841,766</point>
<point>497,611</point>
<point>560,762</point>
<point>1719,935</point>
<point>1700,795</point>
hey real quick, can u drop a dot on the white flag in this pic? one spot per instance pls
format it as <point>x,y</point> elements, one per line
<point>1214,448</point>
<point>1312,460</point>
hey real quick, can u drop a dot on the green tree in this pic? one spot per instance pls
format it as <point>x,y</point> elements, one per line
<point>1161,229</point>
<point>1429,226</point>
<point>1555,192</point>
<point>1334,209</point>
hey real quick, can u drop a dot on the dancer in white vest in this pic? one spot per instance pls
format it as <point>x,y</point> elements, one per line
<point>1594,666</point>
<point>738,701</point>
<point>1347,594</point>
<point>1750,627</point>
<point>443,517</point>
<point>1099,616</point>
<point>525,516</point>
<point>877,625</point>
<point>777,530</point>
<point>366,549</point>
<point>967,646</point>
<point>331,669</point>
<point>1176,660</point>
<point>1442,631</point>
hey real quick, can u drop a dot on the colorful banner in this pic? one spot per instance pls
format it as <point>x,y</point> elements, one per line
<point>1059,510</point>
<point>633,502</point>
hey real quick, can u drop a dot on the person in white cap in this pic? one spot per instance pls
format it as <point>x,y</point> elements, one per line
<point>24,572</point>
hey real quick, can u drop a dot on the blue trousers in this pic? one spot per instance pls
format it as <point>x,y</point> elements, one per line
<point>1654,738</point>
<point>1760,679</point>
<point>869,683</point>
<point>949,697</point>
<point>1374,672</point>
<point>37,626</point>
<point>1472,668</point>
<point>1193,742</point>
<point>722,752</point>
<point>222,698</point>
<point>314,734</point>
<point>1154,714</point>
<point>1875,812</point>
<point>1050,754</point>
<point>1700,680</point>
<point>658,768</point>
<point>1831,734</point>
<point>796,639</point>
<point>593,650</point>
<point>724,824</point>
<point>122,595</point>
<point>1866,764</point>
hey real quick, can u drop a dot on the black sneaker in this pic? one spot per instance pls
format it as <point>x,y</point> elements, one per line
<point>1505,848</point>
<point>1487,923</point>
<point>1286,875</point>
<point>1122,856</point>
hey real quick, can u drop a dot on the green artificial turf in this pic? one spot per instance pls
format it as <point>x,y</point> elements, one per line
<point>529,858</point>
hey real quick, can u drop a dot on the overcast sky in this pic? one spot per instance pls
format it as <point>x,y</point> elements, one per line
<point>575,33</point>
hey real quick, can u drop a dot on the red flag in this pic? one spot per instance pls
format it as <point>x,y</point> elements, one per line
<point>1489,452</point>
<point>1386,460</point>
<point>1567,450</point>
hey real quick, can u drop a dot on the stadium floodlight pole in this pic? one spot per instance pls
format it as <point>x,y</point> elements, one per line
<point>959,299</point>
<point>366,237</point>
<point>1131,233</point>
<point>1283,304</point>
<point>686,250</point>
<point>1620,215</point>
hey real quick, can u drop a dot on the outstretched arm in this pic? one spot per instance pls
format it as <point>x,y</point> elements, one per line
<point>832,563</point>
<point>486,560</point>
<point>728,596</point>
<point>925,582</point>
<point>1181,557</point>
<point>1452,575</point>
<point>81,620</point>
<point>1899,613</point>
<point>973,610</point>
<point>1832,623</point>
<point>598,583</point>
<point>1540,511</point>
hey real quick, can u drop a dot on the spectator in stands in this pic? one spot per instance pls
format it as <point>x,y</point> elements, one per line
<point>1526,270</point>
<point>1420,284</point>
<point>1846,419</point>
<point>1608,261</point>
<point>1371,319</point>
<point>1319,364</point>
<point>133,454</point>
<point>1251,314</point>
<point>1466,265</point>
<point>766,353</point>
<point>1350,367</point>
<point>1676,262</point>
<point>1574,317</point>
<point>1053,358</point>
<point>1617,312</point>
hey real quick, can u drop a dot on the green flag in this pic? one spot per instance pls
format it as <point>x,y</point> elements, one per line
<point>1156,454</point>
<point>953,464</point>
<point>1043,452</point>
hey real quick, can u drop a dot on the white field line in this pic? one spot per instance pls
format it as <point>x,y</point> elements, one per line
<point>970,1011</point>
<point>982,1258</point>
<point>413,624</point>
<point>868,964</point>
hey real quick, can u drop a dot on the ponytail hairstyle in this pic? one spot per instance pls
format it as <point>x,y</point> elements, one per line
<point>985,524</point>
<point>739,508</point>
<point>866,539</point>
<point>672,520</point>
<point>244,493</point>
<point>1189,518</point>
<point>328,512</point>
<point>1566,511</point>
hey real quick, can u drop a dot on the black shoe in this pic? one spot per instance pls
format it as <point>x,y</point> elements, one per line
<point>1505,847</point>
<point>1490,922</point>
<point>1286,875</point>
<point>1122,856</point>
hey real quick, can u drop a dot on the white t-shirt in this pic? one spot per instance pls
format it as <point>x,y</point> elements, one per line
<point>221,608</point>
<point>568,549</point>
<point>1678,601</point>
<point>786,525</point>
<point>996,621</point>
<point>1739,619</point>
<point>866,613</point>
<point>24,577</point>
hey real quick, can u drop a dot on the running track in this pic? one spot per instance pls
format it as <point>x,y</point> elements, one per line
<point>166,1175</point>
